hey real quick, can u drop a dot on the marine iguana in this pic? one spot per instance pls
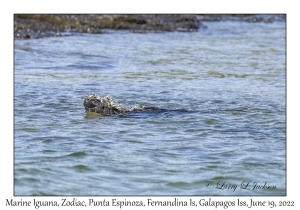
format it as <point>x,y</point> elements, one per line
<point>107,105</point>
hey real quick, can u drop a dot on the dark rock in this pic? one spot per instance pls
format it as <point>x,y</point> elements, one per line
<point>39,26</point>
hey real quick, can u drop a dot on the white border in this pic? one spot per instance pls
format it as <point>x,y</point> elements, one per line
<point>187,6</point>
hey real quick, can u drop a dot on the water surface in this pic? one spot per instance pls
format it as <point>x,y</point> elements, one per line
<point>229,80</point>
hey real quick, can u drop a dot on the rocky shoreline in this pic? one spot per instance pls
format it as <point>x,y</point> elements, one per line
<point>28,26</point>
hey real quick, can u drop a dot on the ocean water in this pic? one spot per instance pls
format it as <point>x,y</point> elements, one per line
<point>223,131</point>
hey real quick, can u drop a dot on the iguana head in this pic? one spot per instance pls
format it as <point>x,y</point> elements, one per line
<point>105,105</point>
